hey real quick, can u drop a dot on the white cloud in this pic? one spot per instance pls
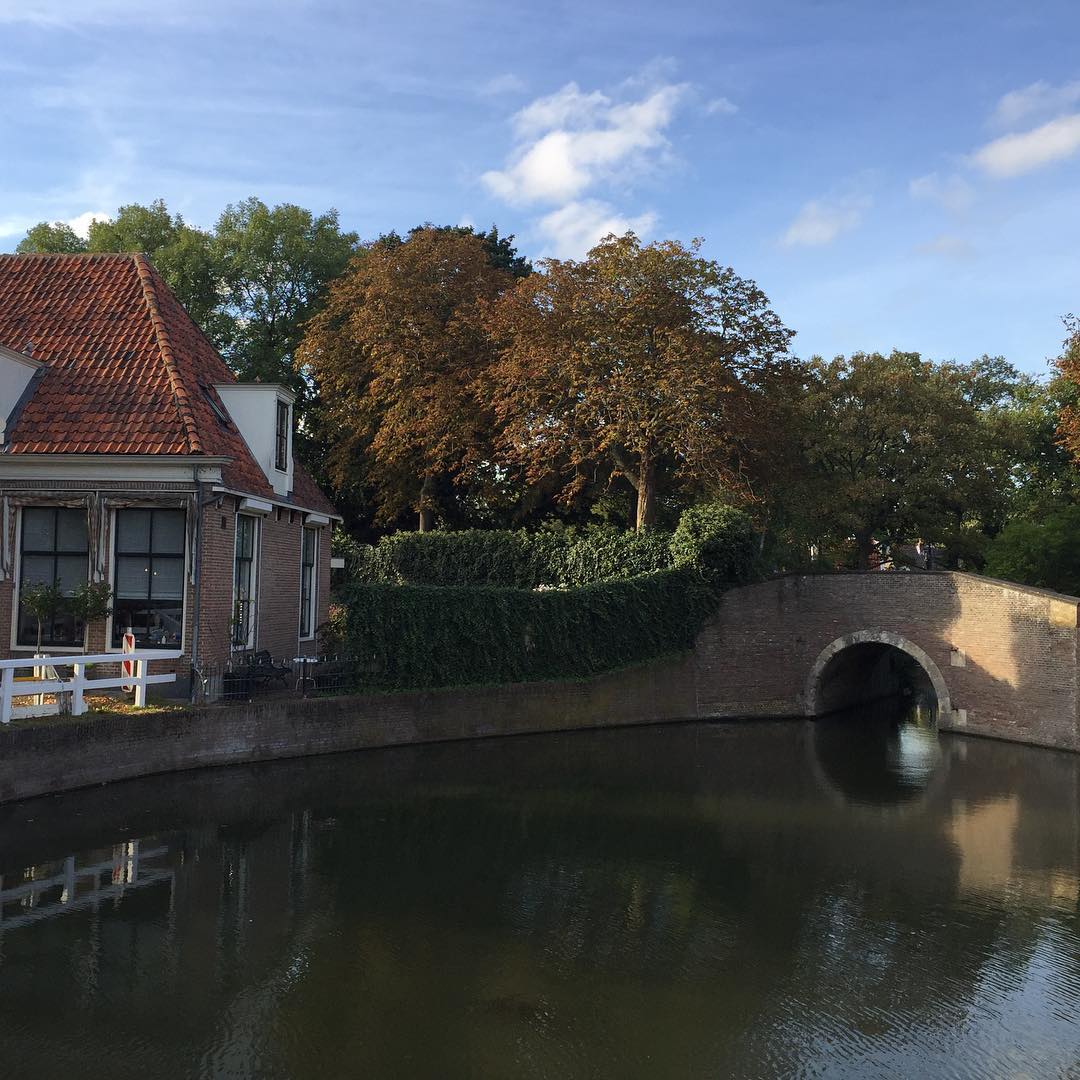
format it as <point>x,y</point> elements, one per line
<point>820,222</point>
<point>1012,155</point>
<point>1040,99</point>
<point>567,107</point>
<point>502,85</point>
<point>81,223</point>
<point>571,141</point>
<point>721,106</point>
<point>573,229</point>
<point>953,193</point>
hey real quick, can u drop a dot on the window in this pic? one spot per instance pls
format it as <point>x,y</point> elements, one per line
<point>244,583</point>
<point>309,547</point>
<point>55,550</point>
<point>215,405</point>
<point>149,581</point>
<point>281,445</point>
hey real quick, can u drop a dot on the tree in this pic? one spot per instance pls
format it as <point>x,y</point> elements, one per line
<point>895,448</point>
<point>1042,553</point>
<point>41,601</point>
<point>182,254</point>
<point>275,265</point>
<point>1068,364</point>
<point>90,603</point>
<point>250,284</point>
<point>396,353</point>
<point>59,237</point>
<point>630,361</point>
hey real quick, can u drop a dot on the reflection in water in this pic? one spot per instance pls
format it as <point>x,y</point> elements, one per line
<point>883,753</point>
<point>682,901</point>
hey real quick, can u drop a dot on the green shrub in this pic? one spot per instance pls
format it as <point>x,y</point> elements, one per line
<point>608,554</point>
<point>515,560</point>
<point>474,557</point>
<point>718,540</point>
<point>414,636</point>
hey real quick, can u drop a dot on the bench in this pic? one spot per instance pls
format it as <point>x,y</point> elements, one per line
<point>253,670</point>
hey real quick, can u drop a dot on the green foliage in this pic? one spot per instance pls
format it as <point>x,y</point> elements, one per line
<point>606,554</point>
<point>553,557</point>
<point>58,237</point>
<point>408,637</point>
<point>1043,553</point>
<point>91,601</point>
<point>273,267</point>
<point>41,601</point>
<point>716,539</point>
<point>474,557</point>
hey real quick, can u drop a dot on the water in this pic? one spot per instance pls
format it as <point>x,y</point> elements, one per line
<point>769,899</point>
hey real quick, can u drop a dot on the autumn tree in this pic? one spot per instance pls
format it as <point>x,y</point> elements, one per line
<point>629,360</point>
<point>396,353</point>
<point>1068,364</point>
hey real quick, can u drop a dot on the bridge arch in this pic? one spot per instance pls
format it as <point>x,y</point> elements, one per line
<point>814,698</point>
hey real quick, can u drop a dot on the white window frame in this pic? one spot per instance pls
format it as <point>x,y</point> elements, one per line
<point>313,597</point>
<point>256,583</point>
<point>111,561</point>
<point>17,585</point>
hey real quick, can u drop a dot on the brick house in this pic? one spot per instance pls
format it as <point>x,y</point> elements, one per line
<point>130,454</point>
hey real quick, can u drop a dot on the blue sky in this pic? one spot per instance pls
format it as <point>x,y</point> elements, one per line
<point>891,174</point>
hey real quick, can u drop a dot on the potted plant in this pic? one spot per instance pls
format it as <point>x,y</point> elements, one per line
<point>91,602</point>
<point>41,601</point>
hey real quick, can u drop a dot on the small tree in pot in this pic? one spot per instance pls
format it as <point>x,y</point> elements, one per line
<point>43,602</point>
<point>90,602</point>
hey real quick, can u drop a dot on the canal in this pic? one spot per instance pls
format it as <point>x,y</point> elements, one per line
<point>854,897</point>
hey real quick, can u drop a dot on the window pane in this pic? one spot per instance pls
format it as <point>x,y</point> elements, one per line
<point>245,537</point>
<point>167,579</point>
<point>71,532</point>
<point>38,524</point>
<point>132,530</point>
<point>309,547</point>
<point>168,532</point>
<point>132,577</point>
<point>70,571</point>
<point>37,570</point>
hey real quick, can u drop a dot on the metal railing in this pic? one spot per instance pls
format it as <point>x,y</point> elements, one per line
<point>42,684</point>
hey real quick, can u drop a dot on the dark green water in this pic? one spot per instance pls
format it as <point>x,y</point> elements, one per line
<point>732,900</point>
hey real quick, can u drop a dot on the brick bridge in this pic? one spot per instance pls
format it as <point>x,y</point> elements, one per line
<point>1000,659</point>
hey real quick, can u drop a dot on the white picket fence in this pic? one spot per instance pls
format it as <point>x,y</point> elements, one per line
<point>78,685</point>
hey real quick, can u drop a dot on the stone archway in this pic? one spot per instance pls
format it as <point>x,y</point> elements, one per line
<point>811,694</point>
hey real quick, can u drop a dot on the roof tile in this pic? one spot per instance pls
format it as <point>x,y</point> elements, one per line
<point>127,370</point>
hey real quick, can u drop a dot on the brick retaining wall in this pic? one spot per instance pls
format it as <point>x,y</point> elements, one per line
<point>1005,656</point>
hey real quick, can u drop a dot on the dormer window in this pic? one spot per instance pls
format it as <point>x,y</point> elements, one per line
<point>281,444</point>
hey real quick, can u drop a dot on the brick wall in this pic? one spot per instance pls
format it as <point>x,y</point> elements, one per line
<point>1007,654</point>
<point>58,755</point>
<point>279,571</point>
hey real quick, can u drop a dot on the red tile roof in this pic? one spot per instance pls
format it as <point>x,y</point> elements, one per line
<point>127,370</point>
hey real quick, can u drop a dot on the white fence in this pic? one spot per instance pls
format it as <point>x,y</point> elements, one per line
<point>78,685</point>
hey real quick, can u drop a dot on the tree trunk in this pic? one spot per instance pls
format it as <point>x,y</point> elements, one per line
<point>864,545</point>
<point>427,505</point>
<point>646,494</point>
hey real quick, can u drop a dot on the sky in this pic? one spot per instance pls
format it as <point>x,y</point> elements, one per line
<point>892,175</point>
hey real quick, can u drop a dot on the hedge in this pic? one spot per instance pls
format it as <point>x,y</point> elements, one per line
<point>416,636</point>
<point>517,560</point>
